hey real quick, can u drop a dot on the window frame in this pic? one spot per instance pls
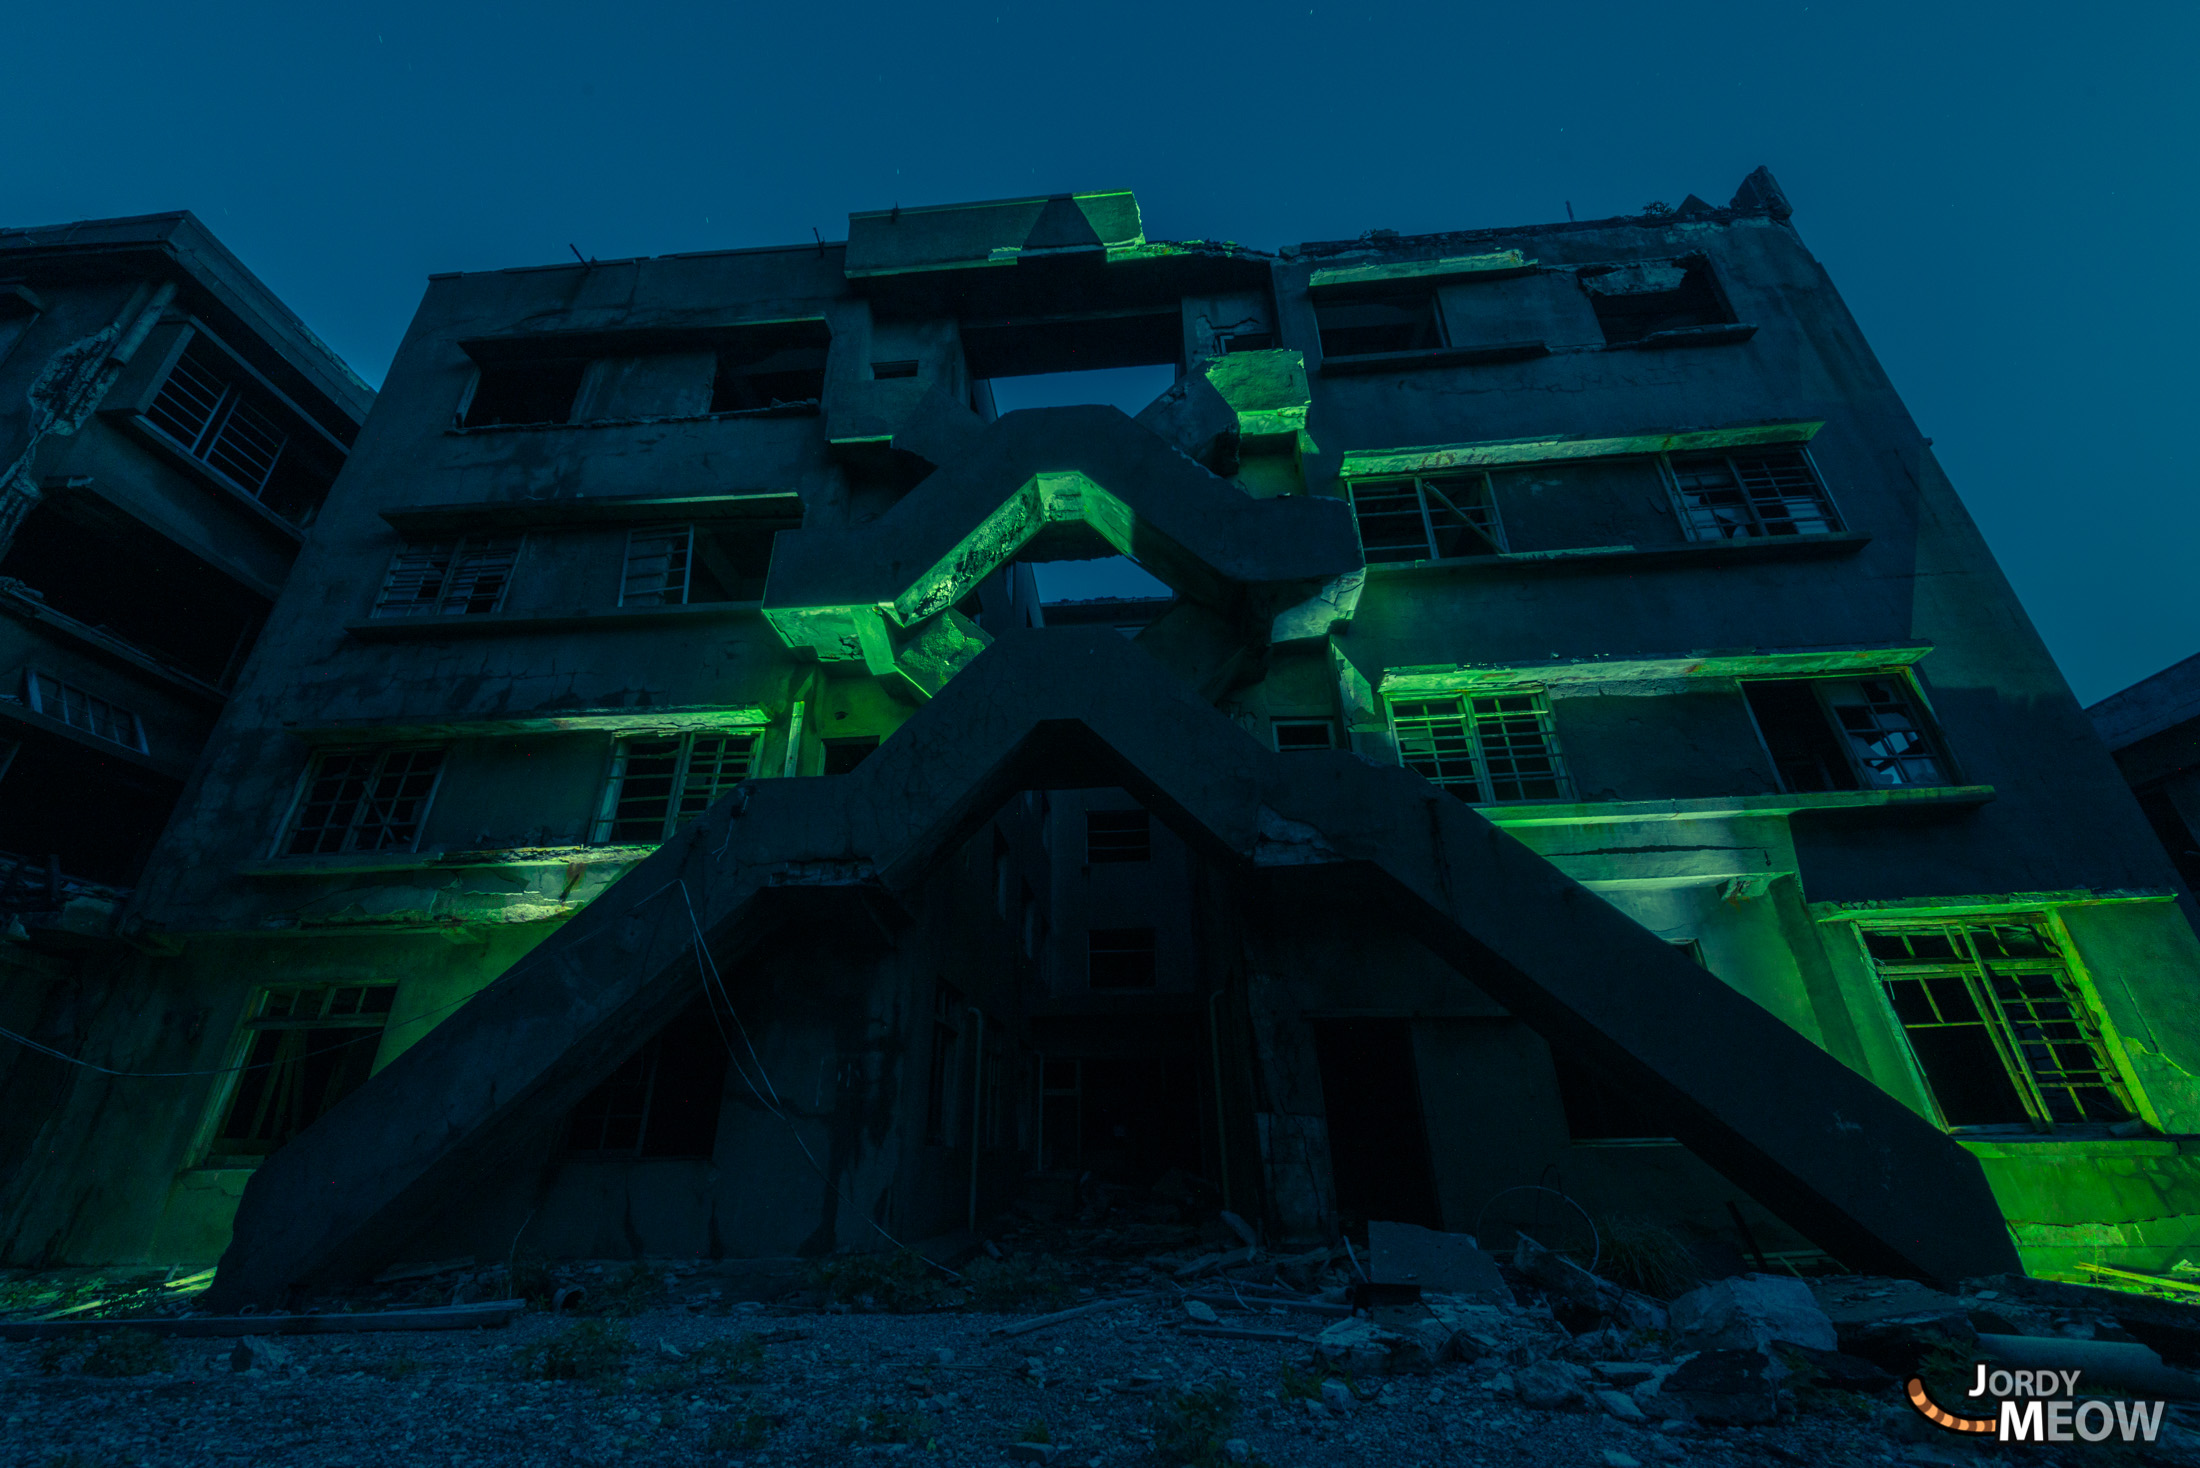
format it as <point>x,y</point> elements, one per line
<point>1374,294</point>
<point>288,833</point>
<point>685,530</point>
<point>455,558</point>
<point>1480,779</point>
<point>2096,1031</point>
<point>36,698</point>
<point>1491,534</point>
<point>213,1132</point>
<point>1328,726</point>
<point>1829,511</point>
<point>1905,679</point>
<point>607,820</point>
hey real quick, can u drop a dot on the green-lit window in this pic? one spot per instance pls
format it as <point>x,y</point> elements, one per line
<point>1845,733</point>
<point>1743,496</point>
<point>660,783</point>
<point>1426,517</point>
<point>1998,1028</point>
<point>304,1050</point>
<point>1485,747</point>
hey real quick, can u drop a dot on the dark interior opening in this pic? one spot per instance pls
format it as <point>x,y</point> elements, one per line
<point>731,562</point>
<point>100,816</point>
<point>1401,321</point>
<point>1804,747</point>
<point>1120,958</point>
<point>1125,1120</point>
<point>843,755</point>
<point>1118,835</point>
<point>1597,1110</point>
<point>2170,829</point>
<point>108,572</point>
<point>664,1101</point>
<point>776,366</point>
<point>1694,302</point>
<point>537,391</point>
<point>1142,338</point>
<point>1378,1142</point>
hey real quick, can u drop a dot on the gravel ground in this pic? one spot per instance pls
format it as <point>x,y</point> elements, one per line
<point>758,1385</point>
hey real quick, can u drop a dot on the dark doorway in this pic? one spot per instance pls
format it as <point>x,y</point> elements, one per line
<point>1124,1120</point>
<point>664,1101</point>
<point>1378,1145</point>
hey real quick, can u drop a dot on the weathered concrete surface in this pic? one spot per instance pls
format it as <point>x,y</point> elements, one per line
<point>1845,1163</point>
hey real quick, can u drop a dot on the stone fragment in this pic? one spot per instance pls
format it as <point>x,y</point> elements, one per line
<point>1201,1311</point>
<point>1360,1347</point>
<point>1619,1404</point>
<point>1404,1253</point>
<point>1549,1387</point>
<point>1725,1387</point>
<point>1751,1311</point>
<point>1237,1450</point>
<point>1336,1396</point>
<point>1614,1458</point>
<point>1570,1283</point>
<point>1241,1228</point>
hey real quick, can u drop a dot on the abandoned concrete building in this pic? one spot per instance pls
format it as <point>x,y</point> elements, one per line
<point>1581,742</point>
<point>2153,730</point>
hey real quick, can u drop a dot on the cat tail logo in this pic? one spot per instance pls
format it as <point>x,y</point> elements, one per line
<point>1939,1416</point>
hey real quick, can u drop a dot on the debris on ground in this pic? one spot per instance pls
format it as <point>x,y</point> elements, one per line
<point>1103,1336</point>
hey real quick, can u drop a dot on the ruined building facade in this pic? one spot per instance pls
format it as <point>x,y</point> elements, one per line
<point>1586,745</point>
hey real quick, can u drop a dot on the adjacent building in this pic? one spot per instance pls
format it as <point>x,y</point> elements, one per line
<point>1613,531</point>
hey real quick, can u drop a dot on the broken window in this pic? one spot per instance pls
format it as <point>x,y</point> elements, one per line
<point>304,1051</point>
<point>664,1101</point>
<point>1845,733</point>
<point>779,366</point>
<point>55,699</point>
<point>208,407</point>
<point>522,392</point>
<point>1998,1028</point>
<point>1746,496</point>
<point>939,1082</point>
<point>1118,835</point>
<point>1299,736</point>
<point>1639,301</point>
<point>1120,958</point>
<point>1404,320</point>
<point>678,565</point>
<point>365,800</point>
<point>661,782</point>
<point>1424,517</point>
<point>450,578</point>
<point>1483,747</point>
<point>843,755</point>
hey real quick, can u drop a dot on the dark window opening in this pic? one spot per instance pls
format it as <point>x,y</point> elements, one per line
<point>1301,736</point>
<point>887,371</point>
<point>1248,341</point>
<point>1124,1120</point>
<point>1597,1110</point>
<point>1633,302</point>
<point>1426,517</point>
<point>365,800</point>
<point>1844,734</point>
<point>97,816</point>
<point>1118,835</point>
<point>1378,1139</point>
<point>1401,321</point>
<point>124,580</point>
<point>772,367</point>
<point>843,755</point>
<point>308,1049</point>
<point>527,392</point>
<point>1120,958</point>
<point>2170,828</point>
<point>682,565</point>
<point>664,1101</point>
<point>1079,343</point>
<point>1998,1028</point>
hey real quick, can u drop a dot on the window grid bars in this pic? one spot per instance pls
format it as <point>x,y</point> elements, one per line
<point>80,710</point>
<point>204,411</point>
<point>1397,524</point>
<point>1749,496</point>
<point>659,562</point>
<point>1496,748</point>
<point>365,800</point>
<point>658,784</point>
<point>465,577</point>
<point>2048,1042</point>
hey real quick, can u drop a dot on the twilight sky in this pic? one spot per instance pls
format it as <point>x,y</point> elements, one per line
<point>1998,191</point>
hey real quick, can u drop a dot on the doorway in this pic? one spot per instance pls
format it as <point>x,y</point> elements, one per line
<point>1378,1142</point>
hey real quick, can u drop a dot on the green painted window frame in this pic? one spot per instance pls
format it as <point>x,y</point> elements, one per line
<point>1485,747</point>
<point>703,765</point>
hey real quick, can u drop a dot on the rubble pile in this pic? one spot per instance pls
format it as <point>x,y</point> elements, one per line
<point>1420,1348</point>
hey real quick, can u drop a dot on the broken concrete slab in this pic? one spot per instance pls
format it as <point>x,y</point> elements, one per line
<point>1848,1165</point>
<point>1724,1387</point>
<point>1405,1253</point>
<point>1751,1311</point>
<point>1577,1287</point>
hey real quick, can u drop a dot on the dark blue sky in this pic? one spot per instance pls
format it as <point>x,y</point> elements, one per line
<point>2005,194</point>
